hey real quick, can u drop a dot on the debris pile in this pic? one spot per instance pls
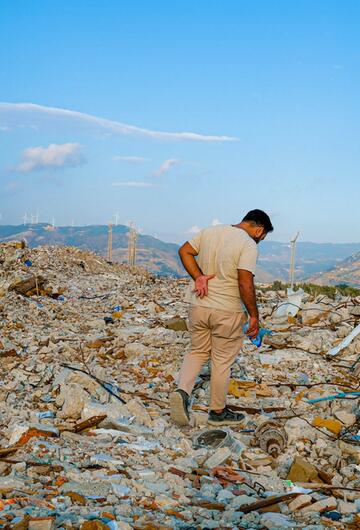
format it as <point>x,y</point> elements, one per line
<point>89,353</point>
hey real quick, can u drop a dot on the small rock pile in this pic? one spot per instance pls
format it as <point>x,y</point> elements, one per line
<point>89,353</point>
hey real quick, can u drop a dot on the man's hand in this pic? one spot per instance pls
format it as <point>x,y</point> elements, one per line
<point>254,327</point>
<point>201,284</point>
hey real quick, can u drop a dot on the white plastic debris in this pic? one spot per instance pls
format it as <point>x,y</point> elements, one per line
<point>292,304</point>
<point>343,344</point>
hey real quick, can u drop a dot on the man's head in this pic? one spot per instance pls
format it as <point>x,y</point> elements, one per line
<point>257,224</point>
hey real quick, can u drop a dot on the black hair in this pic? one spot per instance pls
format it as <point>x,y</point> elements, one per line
<point>259,218</point>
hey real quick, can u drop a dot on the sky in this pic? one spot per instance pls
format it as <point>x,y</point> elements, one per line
<point>179,115</point>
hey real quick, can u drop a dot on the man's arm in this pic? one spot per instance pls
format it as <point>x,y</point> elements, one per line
<point>248,296</point>
<point>187,255</point>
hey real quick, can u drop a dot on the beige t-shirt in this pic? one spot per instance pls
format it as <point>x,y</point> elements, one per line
<point>222,250</point>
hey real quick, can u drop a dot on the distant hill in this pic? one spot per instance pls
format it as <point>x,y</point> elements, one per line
<point>311,258</point>
<point>347,272</point>
<point>157,256</point>
<point>162,258</point>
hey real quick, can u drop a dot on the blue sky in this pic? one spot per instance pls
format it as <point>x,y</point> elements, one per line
<point>268,90</point>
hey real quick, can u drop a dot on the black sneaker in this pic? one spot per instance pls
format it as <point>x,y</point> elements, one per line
<point>179,407</point>
<point>226,417</point>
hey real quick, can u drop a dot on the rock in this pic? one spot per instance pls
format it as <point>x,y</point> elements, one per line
<point>276,520</point>
<point>325,505</point>
<point>241,500</point>
<point>314,312</point>
<point>165,502</point>
<point>135,349</point>
<point>94,488</point>
<point>298,429</point>
<point>302,471</point>
<point>74,399</point>
<point>27,285</point>
<point>8,484</point>
<point>136,408</point>
<point>219,457</point>
<point>345,417</point>
<point>225,496</point>
<point>177,324</point>
<point>159,337</point>
<point>355,311</point>
<point>41,523</point>
<point>120,491</point>
<point>17,432</point>
<point>345,508</point>
<point>94,525</point>
<point>122,525</point>
<point>300,502</point>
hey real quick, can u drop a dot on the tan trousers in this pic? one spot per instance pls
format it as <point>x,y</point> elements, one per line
<point>215,335</point>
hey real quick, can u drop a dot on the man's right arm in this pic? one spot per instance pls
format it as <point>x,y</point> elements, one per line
<point>187,255</point>
<point>248,296</point>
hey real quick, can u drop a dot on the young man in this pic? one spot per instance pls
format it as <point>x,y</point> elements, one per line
<point>221,292</point>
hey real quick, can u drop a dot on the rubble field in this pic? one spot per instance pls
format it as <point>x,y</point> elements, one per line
<point>89,352</point>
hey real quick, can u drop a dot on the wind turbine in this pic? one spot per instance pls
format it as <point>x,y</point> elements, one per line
<point>25,218</point>
<point>292,260</point>
<point>110,242</point>
<point>116,218</point>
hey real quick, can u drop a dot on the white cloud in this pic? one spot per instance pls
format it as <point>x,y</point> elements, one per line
<point>135,184</point>
<point>133,159</point>
<point>216,222</point>
<point>26,109</point>
<point>54,156</point>
<point>194,230</point>
<point>166,166</point>
<point>4,128</point>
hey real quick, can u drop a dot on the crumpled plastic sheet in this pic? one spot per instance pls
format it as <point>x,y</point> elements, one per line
<point>292,305</point>
<point>343,344</point>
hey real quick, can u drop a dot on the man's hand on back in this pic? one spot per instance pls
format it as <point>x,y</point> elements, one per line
<point>201,284</point>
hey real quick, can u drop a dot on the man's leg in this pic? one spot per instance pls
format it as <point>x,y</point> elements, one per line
<point>200,350</point>
<point>227,339</point>
<point>193,361</point>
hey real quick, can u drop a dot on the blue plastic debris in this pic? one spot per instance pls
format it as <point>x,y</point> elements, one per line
<point>334,516</point>
<point>28,263</point>
<point>259,338</point>
<point>340,395</point>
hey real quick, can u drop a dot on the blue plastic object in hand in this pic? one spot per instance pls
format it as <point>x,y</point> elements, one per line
<point>259,337</point>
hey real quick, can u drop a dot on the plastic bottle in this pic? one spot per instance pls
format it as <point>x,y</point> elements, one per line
<point>259,337</point>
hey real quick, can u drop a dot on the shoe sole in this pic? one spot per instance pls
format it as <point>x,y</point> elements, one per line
<point>177,411</point>
<point>226,422</point>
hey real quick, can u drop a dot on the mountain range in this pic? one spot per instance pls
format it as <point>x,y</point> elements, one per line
<point>319,262</point>
<point>347,272</point>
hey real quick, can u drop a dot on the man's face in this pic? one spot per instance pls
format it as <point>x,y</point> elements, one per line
<point>259,234</point>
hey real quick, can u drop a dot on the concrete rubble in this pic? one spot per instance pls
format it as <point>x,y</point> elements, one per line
<point>89,353</point>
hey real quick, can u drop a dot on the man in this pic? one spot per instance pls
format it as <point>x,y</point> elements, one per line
<point>221,292</point>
